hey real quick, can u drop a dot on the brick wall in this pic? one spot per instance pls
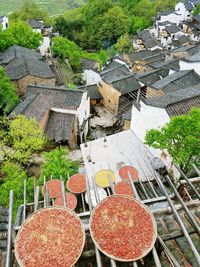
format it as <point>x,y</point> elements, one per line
<point>22,83</point>
<point>110,97</point>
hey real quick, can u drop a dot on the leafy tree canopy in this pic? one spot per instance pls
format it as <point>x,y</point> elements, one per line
<point>57,164</point>
<point>13,177</point>
<point>196,11</point>
<point>64,48</point>
<point>124,44</point>
<point>181,138</point>
<point>8,95</point>
<point>21,34</point>
<point>24,137</point>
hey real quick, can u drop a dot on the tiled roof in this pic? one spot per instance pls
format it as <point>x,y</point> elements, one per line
<point>89,64</point>
<point>158,57</point>
<point>60,126</point>
<point>22,66</point>
<point>92,91</point>
<point>178,80</point>
<point>36,24</point>
<point>140,55</point>
<point>115,74</point>
<point>39,99</point>
<point>188,6</point>
<point>18,51</point>
<point>172,29</point>
<point>152,76</point>
<point>148,40</point>
<point>127,85</point>
<point>193,58</point>
<point>170,64</point>
<point>197,17</point>
<point>175,97</point>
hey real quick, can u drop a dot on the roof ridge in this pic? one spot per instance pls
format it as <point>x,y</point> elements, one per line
<point>54,88</point>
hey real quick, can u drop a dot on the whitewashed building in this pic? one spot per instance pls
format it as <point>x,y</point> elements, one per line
<point>191,63</point>
<point>4,22</point>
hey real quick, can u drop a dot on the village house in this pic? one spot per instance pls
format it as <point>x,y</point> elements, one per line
<point>191,63</point>
<point>90,71</point>
<point>184,9</point>
<point>155,112</point>
<point>141,60</point>
<point>93,94</point>
<point>173,82</point>
<point>61,113</point>
<point>46,31</point>
<point>172,65</point>
<point>4,22</point>
<point>25,67</point>
<point>145,40</point>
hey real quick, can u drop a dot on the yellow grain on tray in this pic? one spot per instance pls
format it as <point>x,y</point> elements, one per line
<point>102,179</point>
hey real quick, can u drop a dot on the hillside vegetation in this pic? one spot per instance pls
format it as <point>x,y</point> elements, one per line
<point>53,7</point>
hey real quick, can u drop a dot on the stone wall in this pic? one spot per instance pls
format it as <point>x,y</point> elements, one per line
<point>110,97</point>
<point>22,83</point>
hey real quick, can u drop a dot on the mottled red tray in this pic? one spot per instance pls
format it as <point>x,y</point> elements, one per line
<point>123,173</point>
<point>54,188</point>
<point>123,188</point>
<point>50,237</point>
<point>71,201</point>
<point>77,183</point>
<point>123,228</point>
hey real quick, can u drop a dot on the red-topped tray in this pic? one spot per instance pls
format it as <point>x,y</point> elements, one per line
<point>77,183</point>
<point>71,201</point>
<point>123,188</point>
<point>123,228</point>
<point>54,188</point>
<point>50,237</point>
<point>125,170</point>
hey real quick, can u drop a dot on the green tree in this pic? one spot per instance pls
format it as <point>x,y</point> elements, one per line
<point>21,34</point>
<point>124,44</point>
<point>114,24</point>
<point>21,137</point>
<point>26,138</point>
<point>181,138</point>
<point>65,48</point>
<point>57,164</point>
<point>30,11</point>
<point>13,177</point>
<point>8,95</point>
<point>196,11</point>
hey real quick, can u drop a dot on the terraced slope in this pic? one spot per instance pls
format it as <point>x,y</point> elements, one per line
<point>54,7</point>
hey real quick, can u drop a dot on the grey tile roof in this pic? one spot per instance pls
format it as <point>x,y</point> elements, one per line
<point>60,126</point>
<point>36,24</point>
<point>116,73</point>
<point>158,57</point>
<point>175,97</point>
<point>140,55</point>
<point>178,80</point>
<point>18,51</point>
<point>111,65</point>
<point>172,29</point>
<point>92,91</point>
<point>193,58</point>
<point>89,64</point>
<point>22,66</point>
<point>152,76</point>
<point>164,23</point>
<point>127,85</point>
<point>169,64</point>
<point>39,99</point>
<point>164,13</point>
<point>188,6</point>
<point>148,40</point>
<point>197,17</point>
